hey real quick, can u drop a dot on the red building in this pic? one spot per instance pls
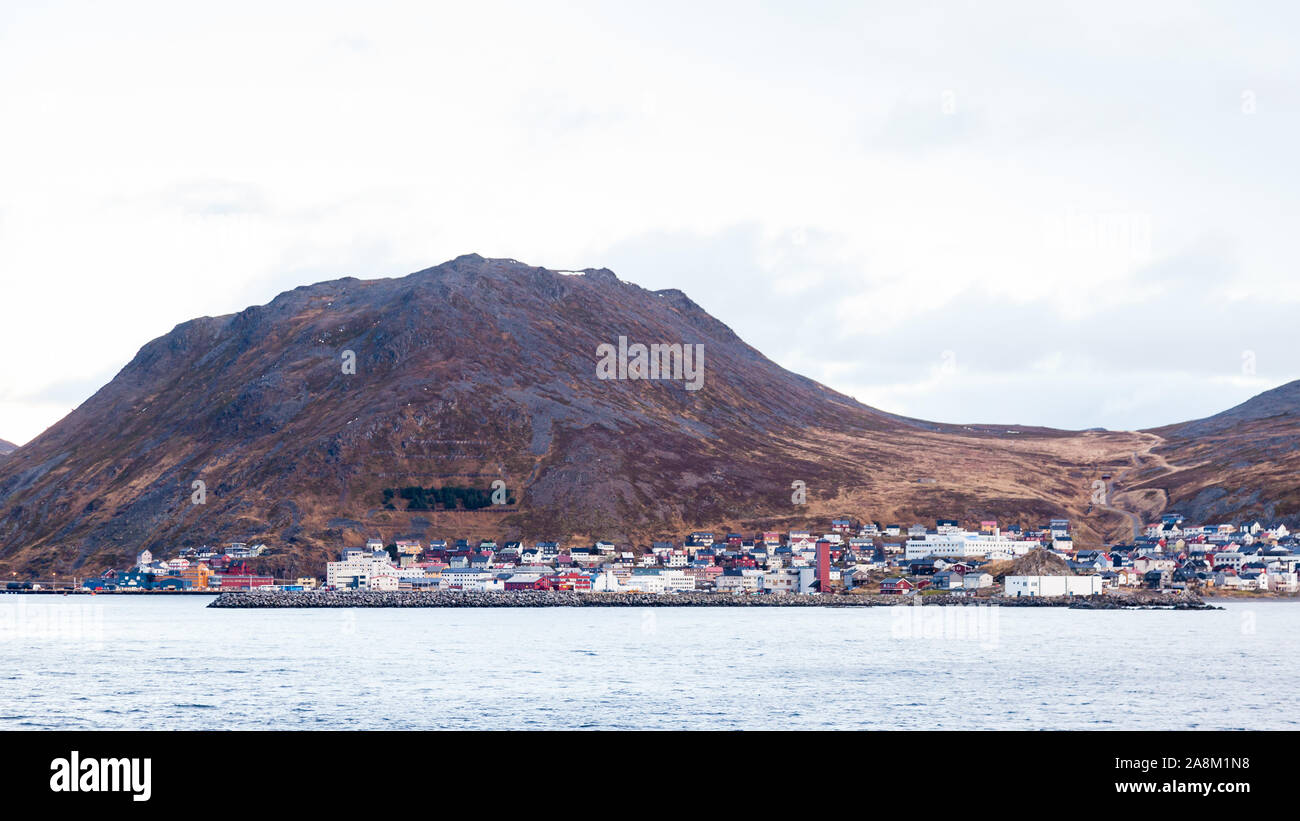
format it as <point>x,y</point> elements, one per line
<point>233,582</point>
<point>571,580</point>
<point>824,566</point>
<point>540,583</point>
<point>895,586</point>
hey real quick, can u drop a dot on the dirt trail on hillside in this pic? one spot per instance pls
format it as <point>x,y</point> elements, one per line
<point>1145,458</point>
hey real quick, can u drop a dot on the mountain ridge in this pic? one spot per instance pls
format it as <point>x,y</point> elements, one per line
<point>479,370</point>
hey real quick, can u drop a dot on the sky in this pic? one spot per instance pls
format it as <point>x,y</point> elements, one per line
<point>1077,216</point>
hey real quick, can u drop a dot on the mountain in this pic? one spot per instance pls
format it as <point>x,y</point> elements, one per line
<point>7,447</point>
<point>1241,464</point>
<point>480,370</point>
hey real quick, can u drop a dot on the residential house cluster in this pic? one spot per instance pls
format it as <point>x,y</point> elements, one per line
<point>194,569</point>
<point>849,555</point>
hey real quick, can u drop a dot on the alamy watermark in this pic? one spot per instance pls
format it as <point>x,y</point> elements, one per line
<point>1099,492</point>
<point>80,623</point>
<point>976,622</point>
<point>678,362</point>
<point>800,495</point>
<point>125,775</point>
<point>1125,236</point>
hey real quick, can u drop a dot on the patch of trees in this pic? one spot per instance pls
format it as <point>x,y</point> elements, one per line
<point>441,498</point>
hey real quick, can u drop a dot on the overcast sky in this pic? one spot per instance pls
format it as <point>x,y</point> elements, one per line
<point>1075,217</point>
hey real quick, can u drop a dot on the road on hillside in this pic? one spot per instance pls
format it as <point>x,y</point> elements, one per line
<point>1144,459</point>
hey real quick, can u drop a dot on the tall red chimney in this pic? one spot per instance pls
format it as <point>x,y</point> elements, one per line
<point>824,566</point>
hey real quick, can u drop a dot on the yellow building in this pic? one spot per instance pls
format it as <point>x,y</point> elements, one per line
<point>198,575</point>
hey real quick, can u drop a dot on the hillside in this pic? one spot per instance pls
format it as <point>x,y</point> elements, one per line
<point>7,448</point>
<point>1237,465</point>
<point>477,370</point>
<point>1038,562</point>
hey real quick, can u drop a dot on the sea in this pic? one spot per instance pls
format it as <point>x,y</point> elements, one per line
<point>168,662</point>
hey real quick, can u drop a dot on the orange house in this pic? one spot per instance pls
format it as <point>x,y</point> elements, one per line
<point>198,575</point>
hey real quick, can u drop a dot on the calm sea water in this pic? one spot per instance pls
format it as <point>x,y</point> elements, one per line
<point>163,662</point>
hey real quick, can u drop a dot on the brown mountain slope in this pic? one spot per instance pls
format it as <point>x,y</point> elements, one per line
<point>1241,464</point>
<point>1038,562</point>
<point>7,447</point>
<point>482,369</point>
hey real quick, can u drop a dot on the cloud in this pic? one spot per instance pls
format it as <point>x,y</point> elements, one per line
<point>214,198</point>
<point>921,126</point>
<point>1164,348</point>
<point>1076,205</point>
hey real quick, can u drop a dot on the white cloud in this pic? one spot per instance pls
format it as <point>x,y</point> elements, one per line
<point>885,183</point>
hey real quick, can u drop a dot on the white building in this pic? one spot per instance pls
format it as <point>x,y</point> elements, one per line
<point>1052,586</point>
<point>1281,582</point>
<point>604,582</point>
<point>965,544</point>
<point>1230,559</point>
<point>748,580</point>
<point>781,581</point>
<point>361,572</point>
<point>644,584</point>
<point>789,580</point>
<point>677,581</point>
<point>467,578</point>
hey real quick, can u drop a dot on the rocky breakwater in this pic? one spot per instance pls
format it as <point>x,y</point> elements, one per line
<point>454,598</point>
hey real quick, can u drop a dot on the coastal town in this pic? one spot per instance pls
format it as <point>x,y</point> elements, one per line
<point>850,557</point>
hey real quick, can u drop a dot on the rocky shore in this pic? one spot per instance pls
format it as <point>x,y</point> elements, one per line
<point>1105,601</point>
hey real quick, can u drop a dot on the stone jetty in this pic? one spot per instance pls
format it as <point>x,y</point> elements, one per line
<point>455,598</point>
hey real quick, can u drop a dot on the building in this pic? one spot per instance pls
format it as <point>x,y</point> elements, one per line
<point>740,581</point>
<point>781,581</point>
<point>1281,582</point>
<point>961,544</point>
<point>1048,586</point>
<point>198,575</point>
<point>644,583</point>
<point>241,582</point>
<point>824,566</point>
<point>408,547</point>
<point>571,580</point>
<point>360,571</point>
<point>466,578</point>
<point>526,581</point>
<point>947,580</point>
<point>896,587</point>
<point>677,581</point>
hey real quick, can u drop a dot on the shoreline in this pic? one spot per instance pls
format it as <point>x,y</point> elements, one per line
<point>531,599</point>
<point>81,591</point>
